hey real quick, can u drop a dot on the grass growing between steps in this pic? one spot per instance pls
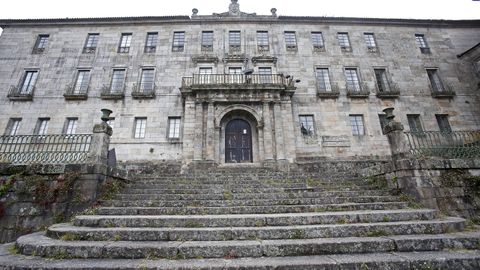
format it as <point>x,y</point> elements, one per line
<point>13,249</point>
<point>412,203</point>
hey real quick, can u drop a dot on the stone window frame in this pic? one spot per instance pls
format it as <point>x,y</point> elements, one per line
<point>290,38</point>
<point>91,43</point>
<point>355,124</point>
<point>178,41</point>
<point>207,40</point>
<point>359,78</point>
<point>125,42</point>
<point>177,127</point>
<point>415,123</point>
<point>84,85</point>
<point>13,126</point>
<point>41,127</point>
<point>318,41</point>
<point>234,40</point>
<point>343,39</point>
<point>309,130</point>
<point>28,86</point>
<point>41,43</point>
<point>382,118</point>
<point>140,79</point>
<point>263,40</point>
<point>437,85</point>
<point>387,79</point>
<point>114,69</point>
<point>70,126</point>
<point>422,43</point>
<point>151,42</point>
<point>322,67</point>
<point>139,127</point>
<point>370,42</point>
<point>443,122</point>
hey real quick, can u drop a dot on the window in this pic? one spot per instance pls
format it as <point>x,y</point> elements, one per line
<point>205,75</point>
<point>235,70</point>
<point>435,82</point>
<point>443,123</point>
<point>344,42</point>
<point>28,83</point>
<point>42,126</point>
<point>71,125</point>
<point>41,44</point>
<point>262,41</point>
<point>265,74</point>
<point>174,127</point>
<point>140,125</point>
<point>323,79</point>
<point>422,43</point>
<point>356,122</point>
<point>207,41</point>
<point>236,74</point>
<point>290,41</point>
<point>353,84</point>
<point>383,121</point>
<point>414,122</point>
<point>317,41</point>
<point>234,41</point>
<point>370,42</point>
<point>151,42</point>
<point>91,43</point>
<point>147,80</point>
<point>81,84</point>
<point>178,41</point>
<point>118,81</point>
<point>125,42</point>
<point>12,126</point>
<point>381,79</point>
<point>307,126</point>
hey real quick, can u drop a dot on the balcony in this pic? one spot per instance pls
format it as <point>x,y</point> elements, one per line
<point>18,94</point>
<point>75,93</point>
<point>237,81</point>
<point>109,93</point>
<point>392,92</point>
<point>146,91</point>
<point>327,91</point>
<point>357,91</point>
<point>445,91</point>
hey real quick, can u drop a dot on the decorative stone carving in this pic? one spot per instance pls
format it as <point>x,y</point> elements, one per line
<point>264,59</point>
<point>234,11</point>
<point>235,58</point>
<point>205,59</point>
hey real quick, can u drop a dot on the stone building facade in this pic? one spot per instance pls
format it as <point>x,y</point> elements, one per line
<point>239,87</point>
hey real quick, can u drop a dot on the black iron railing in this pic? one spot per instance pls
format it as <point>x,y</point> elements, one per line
<point>455,144</point>
<point>232,79</point>
<point>45,149</point>
<point>19,93</point>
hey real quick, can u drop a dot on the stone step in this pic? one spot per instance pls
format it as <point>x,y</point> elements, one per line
<point>224,186</point>
<point>434,226</point>
<point>248,209</point>
<point>252,195</point>
<point>256,220</point>
<point>221,189</point>
<point>40,245</point>
<point>249,202</point>
<point>449,259</point>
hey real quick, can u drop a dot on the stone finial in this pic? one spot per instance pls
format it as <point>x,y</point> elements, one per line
<point>234,8</point>
<point>105,114</point>
<point>274,12</point>
<point>194,12</point>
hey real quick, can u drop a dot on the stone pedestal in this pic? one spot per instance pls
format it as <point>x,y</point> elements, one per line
<point>100,143</point>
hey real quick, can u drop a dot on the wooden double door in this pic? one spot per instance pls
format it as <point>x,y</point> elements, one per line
<point>238,142</point>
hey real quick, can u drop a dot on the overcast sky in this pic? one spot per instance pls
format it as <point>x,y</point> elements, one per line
<point>417,9</point>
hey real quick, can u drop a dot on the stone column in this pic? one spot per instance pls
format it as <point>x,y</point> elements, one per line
<point>210,132</point>
<point>289,131</point>
<point>279,146</point>
<point>198,137</point>
<point>267,132</point>
<point>398,142</point>
<point>188,130</point>
<point>100,142</point>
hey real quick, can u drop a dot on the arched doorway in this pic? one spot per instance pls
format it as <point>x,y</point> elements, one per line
<point>238,142</point>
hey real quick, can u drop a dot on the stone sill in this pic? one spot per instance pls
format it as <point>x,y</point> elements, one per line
<point>392,94</point>
<point>445,94</point>
<point>112,96</point>
<point>20,98</point>
<point>325,94</point>
<point>143,95</point>
<point>361,94</point>
<point>75,96</point>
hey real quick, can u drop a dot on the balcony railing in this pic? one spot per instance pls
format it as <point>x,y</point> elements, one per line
<point>109,93</point>
<point>357,91</point>
<point>444,91</point>
<point>18,94</point>
<point>235,79</point>
<point>393,91</point>
<point>74,93</point>
<point>45,149</point>
<point>455,144</point>
<point>143,91</point>
<point>327,90</point>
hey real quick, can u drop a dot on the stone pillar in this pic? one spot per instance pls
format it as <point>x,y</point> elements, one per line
<point>398,142</point>
<point>289,131</point>
<point>267,132</point>
<point>210,129</point>
<point>100,142</point>
<point>188,130</point>
<point>279,142</point>
<point>198,137</point>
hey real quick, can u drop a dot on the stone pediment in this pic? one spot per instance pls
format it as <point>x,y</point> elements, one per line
<point>235,58</point>
<point>205,59</point>
<point>233,12</point>
<point>262,59</point>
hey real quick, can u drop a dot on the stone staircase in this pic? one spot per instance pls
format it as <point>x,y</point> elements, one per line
<point>250,219</point>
